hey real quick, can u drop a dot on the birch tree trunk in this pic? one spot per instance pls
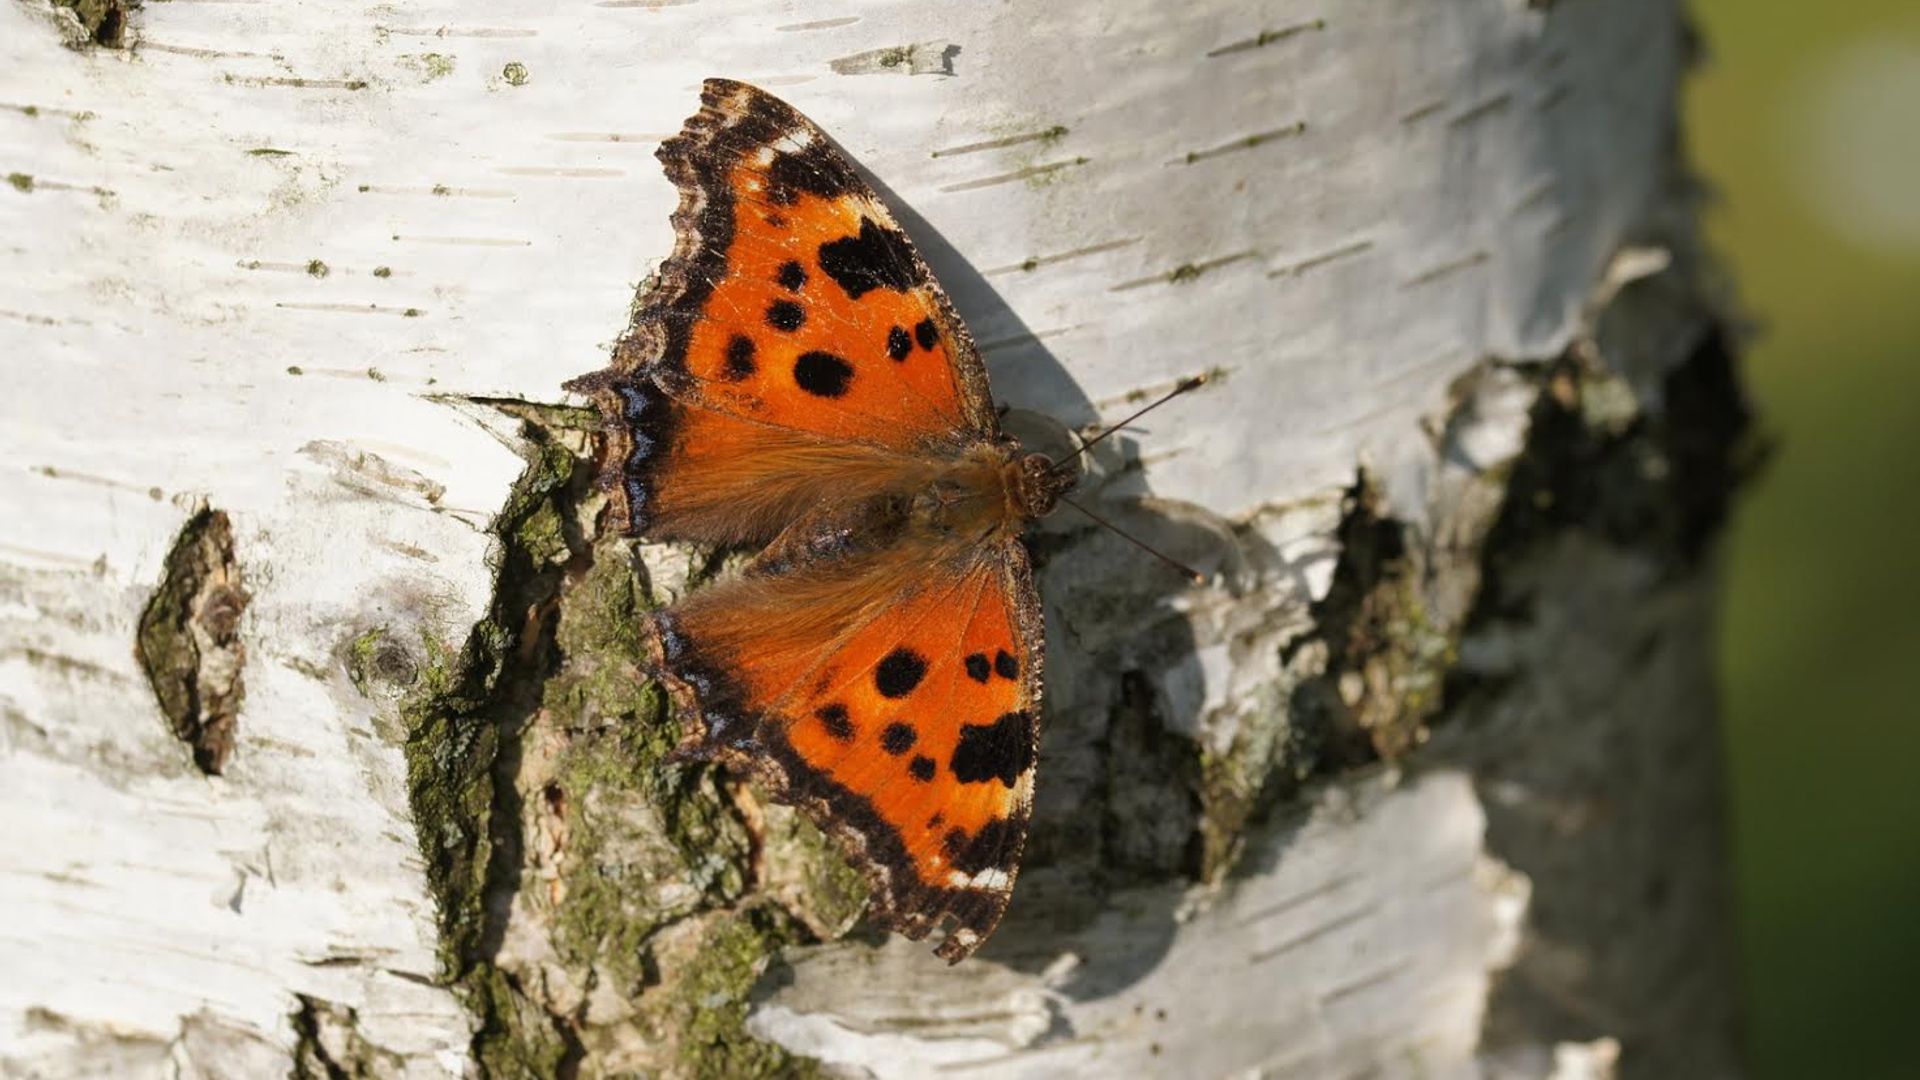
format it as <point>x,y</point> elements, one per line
<point>324,749</point>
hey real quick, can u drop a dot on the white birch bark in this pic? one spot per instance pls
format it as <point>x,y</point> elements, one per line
<point>266,257</point>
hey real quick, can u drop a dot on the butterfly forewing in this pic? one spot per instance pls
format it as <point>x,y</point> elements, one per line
<point>793,301</point>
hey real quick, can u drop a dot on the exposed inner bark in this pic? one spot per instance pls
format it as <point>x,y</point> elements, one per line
<point>189,640</point>
<point>1583,708</point>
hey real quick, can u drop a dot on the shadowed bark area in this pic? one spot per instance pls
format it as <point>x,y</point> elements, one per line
<point>1586,701</point>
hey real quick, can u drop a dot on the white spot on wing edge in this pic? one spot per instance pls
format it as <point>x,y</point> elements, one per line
<point>794,141</point>
<point>992,879</point>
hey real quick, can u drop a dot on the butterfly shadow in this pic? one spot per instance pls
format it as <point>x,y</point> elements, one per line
<point>1115,839</point>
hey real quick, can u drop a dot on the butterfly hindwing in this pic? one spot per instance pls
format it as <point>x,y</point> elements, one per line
<point>900,707</point>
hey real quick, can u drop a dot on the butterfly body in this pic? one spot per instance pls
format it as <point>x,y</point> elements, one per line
<point>990,495</point>
<point>796,380</point>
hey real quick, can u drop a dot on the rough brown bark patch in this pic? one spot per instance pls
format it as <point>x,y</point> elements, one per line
<point>189,641</point>
<point>105,21</point>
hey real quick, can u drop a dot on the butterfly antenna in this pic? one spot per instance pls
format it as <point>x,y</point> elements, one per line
<point>1184,385</point>
<point>1192,575</point>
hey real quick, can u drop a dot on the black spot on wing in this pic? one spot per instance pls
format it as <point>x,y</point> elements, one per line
<point>898,344</point>
<point>898,738</point>
<point>814,170</point>
<point>834,719</point>
<point>926,334</point>
<point>922,768</point>
<point>981,851</point>
<point>786,315</point>
<point>999,751</point>
<point>899,673</point>
<point>877,258</point>
<point>1006,665</point>
<point>740,363</point>
<point>822,374</point>
<point>977,667</point>
<point>792,275</point>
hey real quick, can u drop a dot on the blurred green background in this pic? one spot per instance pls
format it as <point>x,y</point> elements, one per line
<point>1805,119</point>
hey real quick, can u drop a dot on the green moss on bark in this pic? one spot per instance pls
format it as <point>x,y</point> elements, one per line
<point>708,1008</point>
<point>462,726</point>
<point>601,911</point>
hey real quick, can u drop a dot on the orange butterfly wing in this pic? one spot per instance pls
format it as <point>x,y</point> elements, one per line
<point>797,377</point>
<point>898,708</point>
<point>794,341</point>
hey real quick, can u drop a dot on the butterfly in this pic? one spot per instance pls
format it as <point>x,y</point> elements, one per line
<point>796,380</point>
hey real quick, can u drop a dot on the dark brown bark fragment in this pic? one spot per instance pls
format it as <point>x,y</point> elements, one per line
<point>189,640</point>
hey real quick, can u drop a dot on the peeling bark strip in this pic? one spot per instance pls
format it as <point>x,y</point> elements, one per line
<point>189,641</point>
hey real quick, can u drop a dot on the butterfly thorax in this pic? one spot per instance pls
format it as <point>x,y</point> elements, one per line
<point>992,492</point>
